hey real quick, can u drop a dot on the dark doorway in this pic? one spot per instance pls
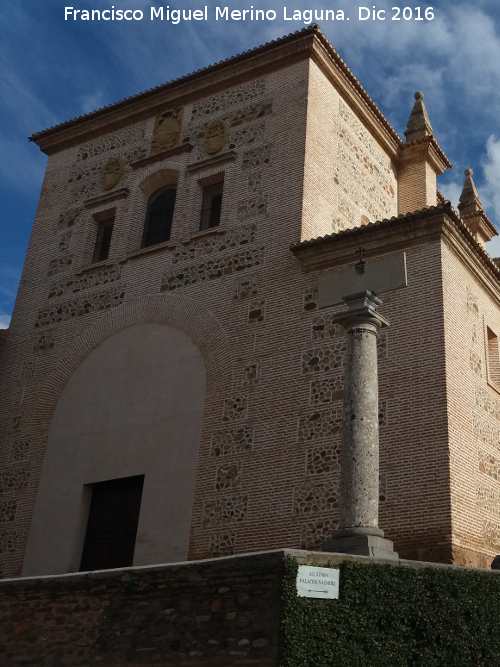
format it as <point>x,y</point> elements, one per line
<point>112,524</point>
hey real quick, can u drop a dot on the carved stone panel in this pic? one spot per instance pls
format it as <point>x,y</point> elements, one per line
<point>215,137</point>
<point>111,174</point>
<point>166,131</point>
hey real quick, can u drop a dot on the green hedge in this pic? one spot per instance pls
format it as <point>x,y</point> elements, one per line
<point>389,616</point>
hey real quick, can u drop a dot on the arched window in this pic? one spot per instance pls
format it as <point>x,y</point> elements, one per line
<point>159,216</point>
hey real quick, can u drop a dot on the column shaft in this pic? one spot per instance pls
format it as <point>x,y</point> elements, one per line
<point>358,531</point>
<point>360,452</point>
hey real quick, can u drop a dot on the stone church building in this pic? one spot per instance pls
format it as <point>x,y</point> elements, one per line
<point>171,389</point>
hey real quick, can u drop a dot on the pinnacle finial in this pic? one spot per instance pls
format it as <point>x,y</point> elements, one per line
<point>469,199</point>
<point>419,125</point>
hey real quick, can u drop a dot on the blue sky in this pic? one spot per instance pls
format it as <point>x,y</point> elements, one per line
<point>52,70</point>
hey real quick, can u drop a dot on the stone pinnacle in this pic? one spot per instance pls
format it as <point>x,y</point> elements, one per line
<point>419,125</point>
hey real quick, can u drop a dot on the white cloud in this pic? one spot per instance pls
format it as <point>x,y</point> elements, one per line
<point>4,321</point>
<point>493,247</point>
<point>451,191</point>
<point>92,101</point>
<point>490,192</point>
<point>455,60</point>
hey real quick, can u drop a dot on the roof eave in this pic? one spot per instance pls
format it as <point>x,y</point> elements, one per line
<point>317,254</point>
<point>201,83</point>
<point>272,56</point>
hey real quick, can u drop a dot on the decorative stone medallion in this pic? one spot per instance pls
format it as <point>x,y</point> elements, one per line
<point>111,173</point>
<point>166,131</point>
<point>215,137</point>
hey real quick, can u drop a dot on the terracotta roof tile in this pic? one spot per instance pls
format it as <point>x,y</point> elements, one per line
<point>423,213</point>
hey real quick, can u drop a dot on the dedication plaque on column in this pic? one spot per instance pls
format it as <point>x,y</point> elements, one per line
<point>378,276</point>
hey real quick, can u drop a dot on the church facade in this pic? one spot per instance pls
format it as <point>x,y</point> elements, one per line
<point>172,389</point>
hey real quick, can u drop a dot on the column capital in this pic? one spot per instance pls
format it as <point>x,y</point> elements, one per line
<point>362,310</point>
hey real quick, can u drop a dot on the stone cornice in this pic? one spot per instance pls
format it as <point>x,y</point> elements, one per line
<point>308,43</point>
<point>391,235</point>
<point>473,256</point>
<point>426,149</point>
<point>164,155</point>
<point>179,92</point>
<point>211,162</point>
<point>107,198</point>
<point>480,221</point>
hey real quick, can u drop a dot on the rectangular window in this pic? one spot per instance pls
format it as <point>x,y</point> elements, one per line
<point>211,205</point>
<point>103,239</point>
<point>493,358</point>
<point>112,524</point>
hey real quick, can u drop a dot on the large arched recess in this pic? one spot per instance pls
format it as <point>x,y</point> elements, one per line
<point>133,405</point>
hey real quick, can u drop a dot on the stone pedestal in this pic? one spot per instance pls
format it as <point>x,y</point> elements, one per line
<point>358,531</point>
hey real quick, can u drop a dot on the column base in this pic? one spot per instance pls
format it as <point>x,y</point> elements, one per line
<point>361,542</point>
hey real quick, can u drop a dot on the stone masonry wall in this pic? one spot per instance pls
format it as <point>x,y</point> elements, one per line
<point>222,613</point>
<point>226,612</point>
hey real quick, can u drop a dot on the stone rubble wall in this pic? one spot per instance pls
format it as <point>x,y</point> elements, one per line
<point>214,613</point>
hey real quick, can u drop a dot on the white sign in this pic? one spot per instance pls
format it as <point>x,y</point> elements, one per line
<point>317,582</point>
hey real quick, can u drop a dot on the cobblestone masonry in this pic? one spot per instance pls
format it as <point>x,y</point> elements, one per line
<point>256,157</point>
<point>19,452</point>
<point>228,99</point>
<point>319,425</point>
<point>315,498</point>
<point>101,276</point>
<point>485,431</point>
<point>96,302</point>
<point>219,612</point>
<point>232,441</point>
<point>212,268</point>
<point>222,544</point>
<point>224,240</point>
<point>224,510</point>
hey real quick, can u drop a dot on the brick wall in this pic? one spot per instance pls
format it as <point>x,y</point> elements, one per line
<point>299,161</point>
<point>349,178</point>
<point>472,305</point>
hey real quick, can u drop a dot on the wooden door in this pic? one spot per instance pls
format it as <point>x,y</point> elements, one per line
<point>112,524</point>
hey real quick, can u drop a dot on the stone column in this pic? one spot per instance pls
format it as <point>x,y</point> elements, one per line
<point>358,531</point>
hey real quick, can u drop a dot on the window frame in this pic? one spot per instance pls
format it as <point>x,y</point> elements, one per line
<point>211,204</point>
<point>493,358</point>
<point>159,233</point>
<point>101,240</point>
